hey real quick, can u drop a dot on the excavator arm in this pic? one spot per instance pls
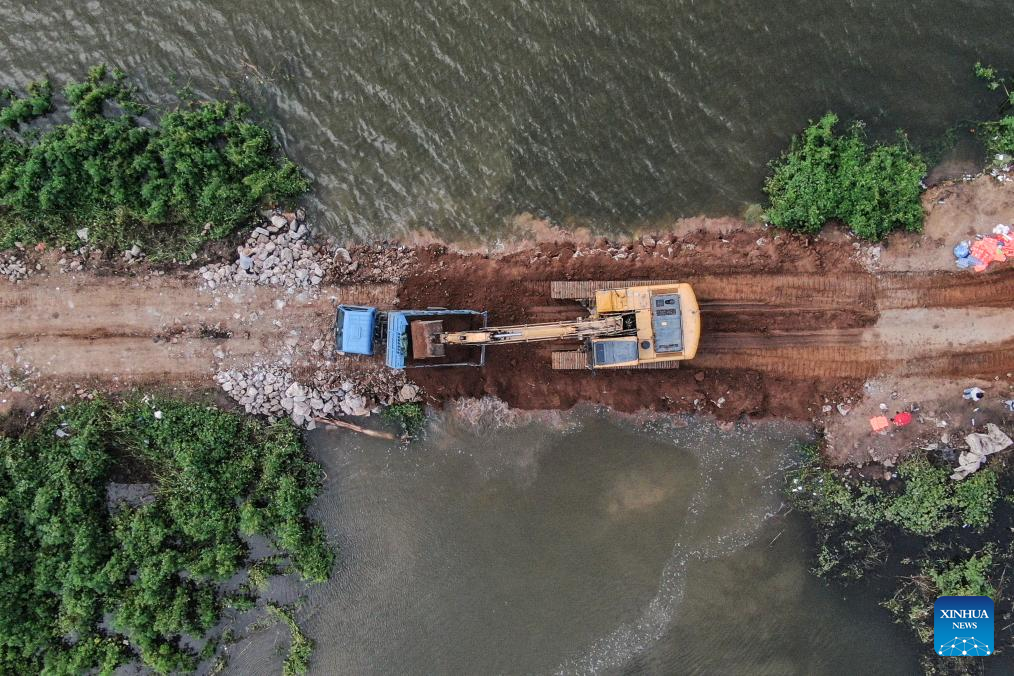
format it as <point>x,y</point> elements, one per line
<point>577,329</point>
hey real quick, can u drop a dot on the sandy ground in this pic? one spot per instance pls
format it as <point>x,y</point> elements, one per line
<point>60,331</point>
<point>954,211</point>
<point>792,326</point>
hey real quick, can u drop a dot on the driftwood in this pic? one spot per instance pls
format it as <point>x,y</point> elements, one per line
<point>355,428</point>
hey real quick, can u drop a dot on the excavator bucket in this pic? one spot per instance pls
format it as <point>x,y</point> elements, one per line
<point>425,343</point>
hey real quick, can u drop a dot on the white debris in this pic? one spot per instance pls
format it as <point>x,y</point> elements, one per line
<point>979,446</point>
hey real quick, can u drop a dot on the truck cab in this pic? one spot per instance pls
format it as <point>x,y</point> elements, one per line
<point>355,329</point>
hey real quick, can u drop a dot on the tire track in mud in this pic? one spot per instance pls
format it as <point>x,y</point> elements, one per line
<point>795,350</point>
<point>772,342</point>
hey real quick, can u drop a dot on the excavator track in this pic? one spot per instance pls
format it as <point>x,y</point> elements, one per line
<point>587,289</point>
<point>577,360</point>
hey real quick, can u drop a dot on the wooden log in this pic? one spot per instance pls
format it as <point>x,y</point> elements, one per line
<point>355,428</point>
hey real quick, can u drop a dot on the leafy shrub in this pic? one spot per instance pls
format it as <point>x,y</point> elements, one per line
<point>196,174</point>
<point>975,498</point>
<point>924,507</point>
<point>409,415</point>
<point>967,577</point>
<point>874,189</point>
<point>155,568</point>
<point>998,135</point>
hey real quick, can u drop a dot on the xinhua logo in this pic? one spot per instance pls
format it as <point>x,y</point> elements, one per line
<point>963,626</point>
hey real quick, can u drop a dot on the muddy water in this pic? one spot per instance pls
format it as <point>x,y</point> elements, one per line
<point>451,115</point>
<point>579,544</point>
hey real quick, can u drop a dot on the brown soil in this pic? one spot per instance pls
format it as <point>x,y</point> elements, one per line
<point>787,326</point>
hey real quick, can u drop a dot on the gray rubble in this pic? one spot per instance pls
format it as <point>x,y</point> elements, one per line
<point>277,253</point>
<point>274,393</point>
<point>13,267</point>
<point>376,263</point>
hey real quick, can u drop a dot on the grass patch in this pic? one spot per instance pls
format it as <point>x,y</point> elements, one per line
<point>410,416</point>
<point>998,135</point>
<point>297,661</point>
<point>932,535</point>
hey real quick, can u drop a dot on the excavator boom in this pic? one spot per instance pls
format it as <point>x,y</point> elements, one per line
<point>529,333</point>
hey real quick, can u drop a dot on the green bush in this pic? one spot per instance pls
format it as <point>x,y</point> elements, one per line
<point>824,176</point>
<point>975,498</point>
<point>411,416</point>
<point>72,559</point>
<point>965,577</point>
<point>998,135</point>
<point>924,507</point>
<point>167,184</point>
<point>297,661</point>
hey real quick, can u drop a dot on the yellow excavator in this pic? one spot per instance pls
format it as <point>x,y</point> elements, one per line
<point>631,325</point>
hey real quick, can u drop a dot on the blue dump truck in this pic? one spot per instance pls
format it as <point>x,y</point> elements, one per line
<point>401,335</point>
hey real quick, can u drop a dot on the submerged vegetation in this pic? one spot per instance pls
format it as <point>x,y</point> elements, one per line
<point>297,661</point>
<point>92,581</point>
<point>166,182</point>
<point>998,135</point>
<point>933,535</point>
<point>828,176</point>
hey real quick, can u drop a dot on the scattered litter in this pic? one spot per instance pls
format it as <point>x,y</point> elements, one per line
<point>879,423</point>
<point>158,415</point>
<point>979,446</point>
<point>1010,405</point>
<point>996,247</point>
<point>973,394</point>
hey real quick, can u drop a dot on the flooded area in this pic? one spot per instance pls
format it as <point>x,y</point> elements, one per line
<point>576,543</point>
<point>453,116</point>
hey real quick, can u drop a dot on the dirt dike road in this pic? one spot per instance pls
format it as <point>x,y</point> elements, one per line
<point>79,331</point>
<point>792,326</point>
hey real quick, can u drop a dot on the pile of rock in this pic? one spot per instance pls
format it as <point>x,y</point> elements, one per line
<point>648,246</point>
<point>133,255</point>
<point>75,260</point>
<point>376,263</point>
<point>274,393</point>
<point>1004,171</point>
<point>277,254</point>
<point>13,267</point>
